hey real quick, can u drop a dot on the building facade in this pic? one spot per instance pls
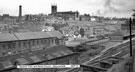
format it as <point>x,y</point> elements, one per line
<point>117,36</point>
<point>67,15</point>
<point>34,48</point>
<point>14,43</point>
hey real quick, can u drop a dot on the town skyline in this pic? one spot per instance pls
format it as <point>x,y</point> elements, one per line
<point>109,8</point>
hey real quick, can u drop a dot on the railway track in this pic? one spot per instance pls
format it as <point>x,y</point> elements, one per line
<point>115,52</point>
<point>118,51</point>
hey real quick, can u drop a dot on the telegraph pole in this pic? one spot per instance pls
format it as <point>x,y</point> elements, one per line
<point>130,23</point>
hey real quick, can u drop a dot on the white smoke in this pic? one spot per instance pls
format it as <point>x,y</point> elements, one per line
<point>117,6</point>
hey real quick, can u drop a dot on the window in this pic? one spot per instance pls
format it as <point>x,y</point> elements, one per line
<point>33,42</point>
<point>60,41</point>
<point>6,45</point>
<point>37,42</point>
<point>24,44</point>
<point>14,52</point>
<point>4,53</point>
<point>45,41</point>
<point>14,45</point>
<point>42,41</point>
<point>10,45</point>
<point>54,40</point>
<point>19,44</point>
<point>1,46</point>
<point>50,41</point>
<point>19,51</point>
<point>57,41</point>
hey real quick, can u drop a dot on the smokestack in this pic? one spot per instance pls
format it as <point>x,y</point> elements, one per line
<point>20,12</point>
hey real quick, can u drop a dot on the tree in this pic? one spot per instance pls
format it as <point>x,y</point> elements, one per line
<point>82,32</point>
<point>47,24</point>
<point>76,33</point>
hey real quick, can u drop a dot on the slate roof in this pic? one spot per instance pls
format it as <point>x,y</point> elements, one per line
<point>7,37</point>
<point>118,33</point>
<point>28,35</point>
<point>110,28</point>
<point>34,56</point>
<point>55,34</point>
<point>22,61</point>
<point>31,35</point>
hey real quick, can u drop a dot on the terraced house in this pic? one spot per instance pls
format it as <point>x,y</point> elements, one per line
<point>34,48</point>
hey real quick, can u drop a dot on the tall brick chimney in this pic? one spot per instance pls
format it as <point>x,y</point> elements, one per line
<point>20,12</point>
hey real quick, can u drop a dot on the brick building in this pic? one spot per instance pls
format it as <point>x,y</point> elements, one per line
<point>14,43</point>
<point>34,48</point>
<point>117,36</point>
<point>90,28</point>
<point>67,15</point>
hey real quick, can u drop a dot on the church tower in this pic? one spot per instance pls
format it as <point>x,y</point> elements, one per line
<point>53,9</point>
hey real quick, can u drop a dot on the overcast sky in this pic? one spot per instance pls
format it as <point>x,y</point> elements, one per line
<point>118,8</point>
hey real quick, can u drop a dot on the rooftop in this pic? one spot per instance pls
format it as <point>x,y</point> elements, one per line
<point>84,23</point>
<point>28,35</point>
<point>71,12</point>
<point>34,56</point>
<point>110,28</point>
<point>74,43</point>
<point>7,37</point>
<point>118,33</point>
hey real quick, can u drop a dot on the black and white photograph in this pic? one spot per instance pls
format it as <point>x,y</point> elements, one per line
<point>67,35</point>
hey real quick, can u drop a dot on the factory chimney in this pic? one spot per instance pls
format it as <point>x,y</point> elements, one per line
<point>20,12</point>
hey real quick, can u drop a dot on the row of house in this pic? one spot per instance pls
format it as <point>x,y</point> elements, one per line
<point>57,55</point>
<point>90,28</point>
